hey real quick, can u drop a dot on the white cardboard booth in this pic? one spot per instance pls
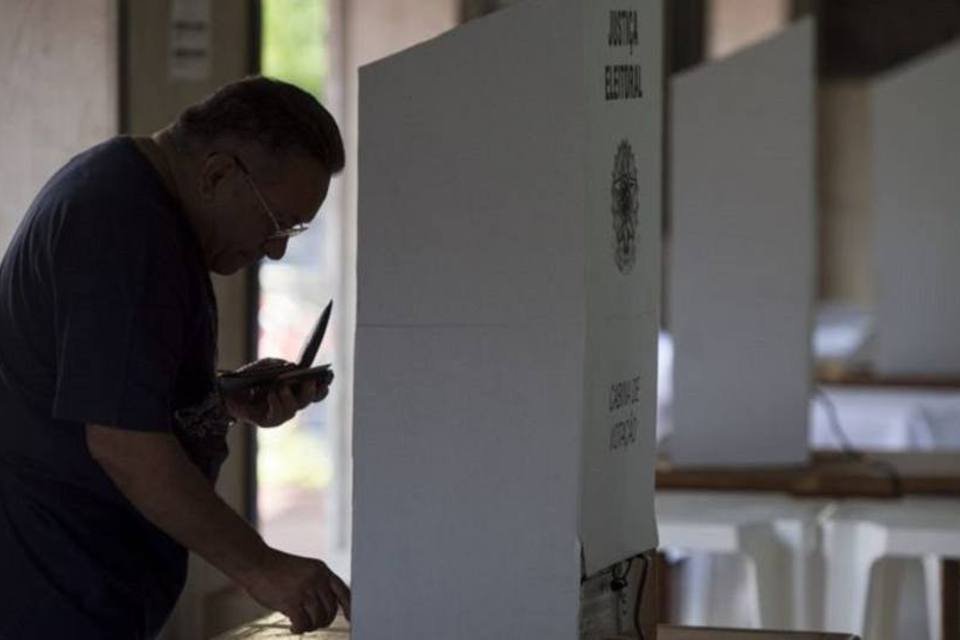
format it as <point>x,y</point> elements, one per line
<point>508,283</point>
<point>743,254</point>
<point>916,200</point>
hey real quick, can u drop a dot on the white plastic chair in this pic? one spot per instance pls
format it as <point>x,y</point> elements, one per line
<point>861,594</point>
<point>777,534</point>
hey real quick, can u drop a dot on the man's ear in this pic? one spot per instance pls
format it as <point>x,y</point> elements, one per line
<point>214,170</point>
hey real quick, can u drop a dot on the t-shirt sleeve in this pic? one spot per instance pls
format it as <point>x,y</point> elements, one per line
<point>120,330</point>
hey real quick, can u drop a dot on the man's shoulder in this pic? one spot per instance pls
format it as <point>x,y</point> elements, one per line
<point>113,172</point>
<point>109,193</point>
<point>107,209</point>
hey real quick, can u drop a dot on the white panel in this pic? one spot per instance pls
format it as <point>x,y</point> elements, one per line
<point>917,202</point>
<point>743,254</point>
<point>58,88</point>
<point>622,227</point>
<point>506,341</point>
<point>481,203</point>
<point>465,484</point>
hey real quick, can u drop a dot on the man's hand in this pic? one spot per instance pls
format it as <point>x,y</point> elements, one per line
<point>153,472</point>
<point>276,405</point>
<point>303,589</point>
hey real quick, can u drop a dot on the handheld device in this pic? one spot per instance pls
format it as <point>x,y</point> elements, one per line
<point>232,381</point>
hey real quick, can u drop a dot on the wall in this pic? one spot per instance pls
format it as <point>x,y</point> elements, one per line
<point>844,169</point>
<point>58,75</point>
<point>735,24</point>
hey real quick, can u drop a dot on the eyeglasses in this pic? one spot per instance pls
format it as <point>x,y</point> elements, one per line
<point>279,233</point>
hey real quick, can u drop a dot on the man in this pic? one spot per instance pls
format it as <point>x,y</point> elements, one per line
<point>112,426</point>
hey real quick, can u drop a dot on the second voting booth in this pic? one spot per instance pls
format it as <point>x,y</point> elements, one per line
<point>508,287</point>
<point>743,258</point>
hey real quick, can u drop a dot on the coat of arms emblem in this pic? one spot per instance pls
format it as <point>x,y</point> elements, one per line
<point>625,207</point>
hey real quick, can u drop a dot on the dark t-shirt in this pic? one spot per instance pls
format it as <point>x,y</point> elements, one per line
<point>106,317</point>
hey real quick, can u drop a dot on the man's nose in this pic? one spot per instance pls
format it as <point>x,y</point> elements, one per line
<point>275,248</point>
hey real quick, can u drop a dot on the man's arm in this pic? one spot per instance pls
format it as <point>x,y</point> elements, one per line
<point>153,472</point>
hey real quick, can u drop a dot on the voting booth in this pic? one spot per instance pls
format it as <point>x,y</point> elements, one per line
<point>508,286</point>
<point>916,200</point>
<point>743,254</point>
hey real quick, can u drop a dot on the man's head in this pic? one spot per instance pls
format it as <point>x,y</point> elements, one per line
<point>253,164</point>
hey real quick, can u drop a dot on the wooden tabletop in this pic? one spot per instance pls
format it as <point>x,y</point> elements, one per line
<point>844,377</point>
<point>665,632</point>
<point>277,627</point>
<point>830,474</point>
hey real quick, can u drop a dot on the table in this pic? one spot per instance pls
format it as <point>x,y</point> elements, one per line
<point>276,627</point>
<point>865,377</point>
<point>832,474</point>
<point>666,632</point>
